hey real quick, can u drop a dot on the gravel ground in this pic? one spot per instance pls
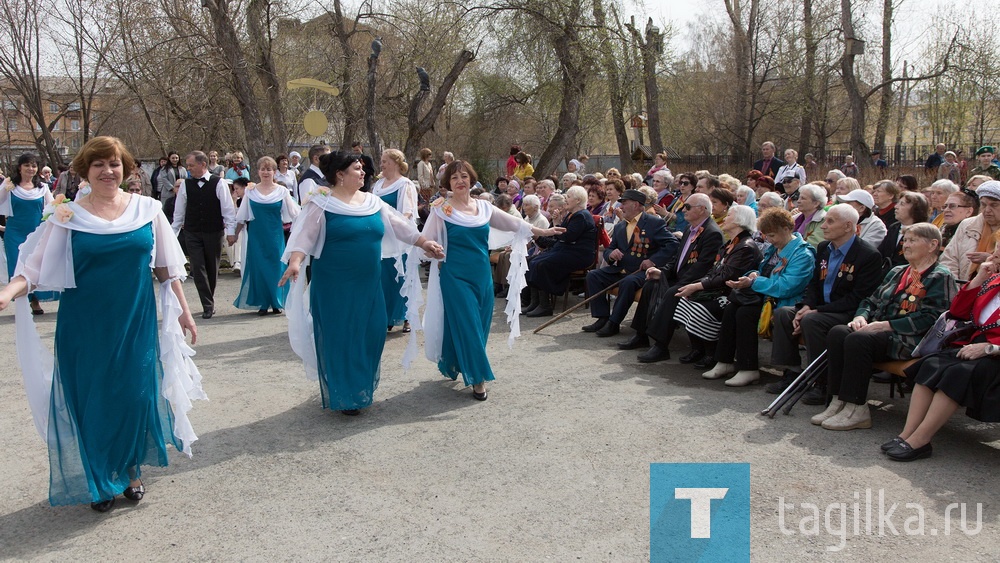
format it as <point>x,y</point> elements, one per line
<point>554,466</point>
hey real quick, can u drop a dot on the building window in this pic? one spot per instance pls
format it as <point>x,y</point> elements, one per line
<point>53,107</point>
<point>75,106</point>
<point>74,124</point>
<point>10,105</point>
<point>75,143</point>
<point>56,126</point>
<point>12,124</point>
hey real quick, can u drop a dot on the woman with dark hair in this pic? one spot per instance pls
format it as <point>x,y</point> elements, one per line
<point>958,207</point>
<point>345,232</point>
<point>21,200</point>
<point>886,194</point>
<point>908,183</point>
<point>103,408</point>
<point>595,199</point>
<point>722,199</point>
<point>460,297</point>
<point>675,211</point>
<point>511,160</point>
<point>285,176</point>
<point>911,208</point>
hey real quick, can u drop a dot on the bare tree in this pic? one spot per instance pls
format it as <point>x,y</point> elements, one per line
<point>617,93</point>
<point>260,15</point>
<point>418,125</point>
<point>651,47</point>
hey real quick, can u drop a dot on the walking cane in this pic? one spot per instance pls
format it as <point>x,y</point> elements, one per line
<point>799,390</point>
<point>582,303</point>
<point>802,379</point>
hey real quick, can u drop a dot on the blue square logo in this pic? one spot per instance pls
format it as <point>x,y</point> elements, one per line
<point>699,512</point>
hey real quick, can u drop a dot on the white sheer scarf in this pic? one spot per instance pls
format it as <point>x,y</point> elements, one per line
<point>308,237</point>
<point>435,229</point>
<point>289,209</point>
<point>46,262</point>
<point>6,208</point>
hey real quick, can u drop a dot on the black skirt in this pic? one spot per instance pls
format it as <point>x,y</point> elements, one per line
<point>974,384</point>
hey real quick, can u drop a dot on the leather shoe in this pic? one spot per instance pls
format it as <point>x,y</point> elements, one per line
<point>891,444</point>
<point>609,329</point>
<point>637,341</point>
<point>776,387</point>
<point>691,357</point>
<point>654,354</point>
<point>905,452</point>
<point>134,493</point>
<point>815,396</point>
<point>596,325</point>
<point>705,362</point>
<point>103,506</point>
<point>207,314</point>
<point>351,412</point>
<point>539,311</point>
<point>480,396</point>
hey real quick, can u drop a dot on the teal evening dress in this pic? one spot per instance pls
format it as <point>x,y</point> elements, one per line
<point>395,304</point>
<point>107,414</point>
<point>348,310</point>
<point>467,285</point>
<point>262,267</point>
<point>25,218</point>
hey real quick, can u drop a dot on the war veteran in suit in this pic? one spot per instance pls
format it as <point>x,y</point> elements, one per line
<point>639,242</point>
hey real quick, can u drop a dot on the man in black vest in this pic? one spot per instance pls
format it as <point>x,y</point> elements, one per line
<point>313,176</point>
<point>205,210</point>
<point>848,270</point>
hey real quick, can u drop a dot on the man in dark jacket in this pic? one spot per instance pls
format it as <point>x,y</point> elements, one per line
<point>654,316</point>
<point>639,242</point>
<point>848,269</point>
<point>768,165</point>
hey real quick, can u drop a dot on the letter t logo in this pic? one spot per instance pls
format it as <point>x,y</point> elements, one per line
<point>701,508</point>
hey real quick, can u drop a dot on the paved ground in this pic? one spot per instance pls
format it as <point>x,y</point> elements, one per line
<point>554,466</point>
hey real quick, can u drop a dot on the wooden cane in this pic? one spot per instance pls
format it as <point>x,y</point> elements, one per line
<point>582,303</point>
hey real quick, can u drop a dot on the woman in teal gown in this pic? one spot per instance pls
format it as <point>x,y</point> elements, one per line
<point>398,192</point>
<point>264,209</point>
<point>110,382</point>
<point>460,294</point>
<point>22,199</point>
<point>345,232</point>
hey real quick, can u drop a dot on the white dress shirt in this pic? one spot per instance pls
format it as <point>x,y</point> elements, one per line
<point>308,185</point>
<point>225,200</point>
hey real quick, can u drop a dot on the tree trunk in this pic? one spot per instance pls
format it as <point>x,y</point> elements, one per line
<point>373,140</point>
<point>574,78</point>
<point>857,101</point>
<point>616,92</point>
<point>885,101</point>
<point>651,50</point>
<point>809,81</point>
<point>259,27</point>
<point>743,65</point>
<point>346,71</point>
<point>419,126</point>
<point>236,63</point>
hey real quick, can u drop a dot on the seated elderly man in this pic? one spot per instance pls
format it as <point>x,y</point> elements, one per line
<point>847,270</point>
<point>973,242</point>
<point>655,313</point>
<point>639,242</point>
<point>871,229</point>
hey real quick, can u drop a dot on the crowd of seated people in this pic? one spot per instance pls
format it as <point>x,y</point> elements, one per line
<point>816,265</point>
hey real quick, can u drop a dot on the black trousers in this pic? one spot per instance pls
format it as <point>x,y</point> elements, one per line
<point>852,355</point>
<point>815,326</point>
<point>597,280</point>
<point>654,315</point>
<point>738,339</point>
<point>204,252</point>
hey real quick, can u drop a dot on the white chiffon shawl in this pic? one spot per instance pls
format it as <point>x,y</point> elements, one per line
<point>435,229</point>
<point>29,195</point>
<point>289,209</point>
<point>308,237</point>
<point>46,262</point>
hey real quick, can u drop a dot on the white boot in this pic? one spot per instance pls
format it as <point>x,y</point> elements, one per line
<point>849,418</point>
<point>836,405</point>
<point>744,378</point>
<point>719,371</point>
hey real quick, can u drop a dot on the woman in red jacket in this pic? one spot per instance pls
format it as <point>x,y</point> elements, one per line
<point>967,374</point>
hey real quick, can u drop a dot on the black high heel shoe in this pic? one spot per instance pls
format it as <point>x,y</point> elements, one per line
<point>103,506</point>
<point>135,493</point>
<point>479,396</point>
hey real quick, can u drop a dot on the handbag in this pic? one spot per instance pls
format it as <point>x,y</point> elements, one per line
<point>745,297</point>
<point>946,330</point>
<point>764,323</point>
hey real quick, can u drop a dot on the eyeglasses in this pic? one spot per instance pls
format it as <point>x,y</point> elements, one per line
<point>956,206</point>
<point>684,183</point>
<point>688,206</point>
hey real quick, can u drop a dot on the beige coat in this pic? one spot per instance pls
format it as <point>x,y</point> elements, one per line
<point>966,240</point>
